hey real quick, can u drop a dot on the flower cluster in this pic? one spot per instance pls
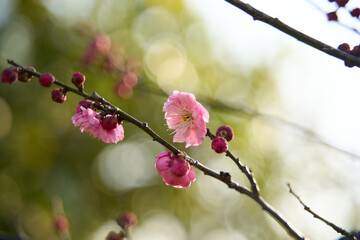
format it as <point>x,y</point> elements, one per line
<point>174,170</point>
<point>101,52</point>
<point>107,128</point>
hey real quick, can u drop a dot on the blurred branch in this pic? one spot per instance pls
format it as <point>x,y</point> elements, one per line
<point>275,22</point>
<point>333,226</point>
<point>224,177</point>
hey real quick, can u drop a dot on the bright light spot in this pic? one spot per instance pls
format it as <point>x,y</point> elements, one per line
<point>127,165</point>
<point>104,230</point>
<point>69,11</point>
<point>159,226</point>
<point>152,23</point>
<point>223,234</point>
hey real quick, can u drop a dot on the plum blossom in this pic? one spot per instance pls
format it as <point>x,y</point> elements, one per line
<point>174,170</point>
<point>187,117</point>
<point>89,121</point>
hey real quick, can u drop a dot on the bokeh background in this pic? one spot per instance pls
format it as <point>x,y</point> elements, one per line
<point>235,66</point>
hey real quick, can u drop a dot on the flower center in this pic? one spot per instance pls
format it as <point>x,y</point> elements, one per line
<point>186,117</point>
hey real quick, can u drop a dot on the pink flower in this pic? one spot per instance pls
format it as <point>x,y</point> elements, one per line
<point>88,121</point>
<point>187,117</point>
<point>174,171</point>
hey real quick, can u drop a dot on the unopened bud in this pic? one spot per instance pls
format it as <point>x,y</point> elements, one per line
<point>9,75</point>
<point>84,104</point>
<point>78,80</point>
<point>130,79</point>
<point>332,16</point>
<point>58,95</point>
<point>341,3</point>
<point>61,224</point>
<point>47,79</point>
<point>355,12</point>
<point>109,122</point>
<point>225,132</point>
<point>24,76</point>
<point>126,220</point>
<point>114,236</point>
<point>219,145</point>
<point>344,47</point>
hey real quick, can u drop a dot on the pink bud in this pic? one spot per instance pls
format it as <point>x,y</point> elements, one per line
<point>78,80</point>
<point>225,132</point>
<point>126,220</point>
<point>9,75</point>
<point>219,145</point>
<point>47,79</point>
<point>124,91</point>
<point>102,43</point>
<point>109,122</point>
<point>61,224</point>
<point>332,16</point>
<point>130,79</point>
<point>84,104</point>
<point>58,95</point>
<point>24,76</point>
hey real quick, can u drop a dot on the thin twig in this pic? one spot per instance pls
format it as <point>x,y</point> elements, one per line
<point>332,225</point>
<point>275,22</point>
<point>244,169</point>
<point>222,176</point>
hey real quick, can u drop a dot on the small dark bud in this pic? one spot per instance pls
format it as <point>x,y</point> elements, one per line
<point>84,104</point>
<point>78,80</point>
<point>332,16</point>
<point>114,236</point>
<point>341,3</point>
<point>24,76</point>
<point>109,122</point>
<point>47,79</point>
<point>356,51</point>
<point>344,47</point>
<point>355,12</point>
<point>9,75</point>
<point>58,95</point>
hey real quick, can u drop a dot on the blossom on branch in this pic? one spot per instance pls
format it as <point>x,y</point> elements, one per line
<point>187,117</point>
<point>89,121</point>
<point>174,170</point>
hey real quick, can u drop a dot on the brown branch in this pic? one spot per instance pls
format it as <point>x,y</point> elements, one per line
<point>275,22</point>
<point>332,225</point>
<point>222,176</point>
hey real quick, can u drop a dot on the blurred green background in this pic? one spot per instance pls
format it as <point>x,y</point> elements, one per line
<point>43,156</point>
